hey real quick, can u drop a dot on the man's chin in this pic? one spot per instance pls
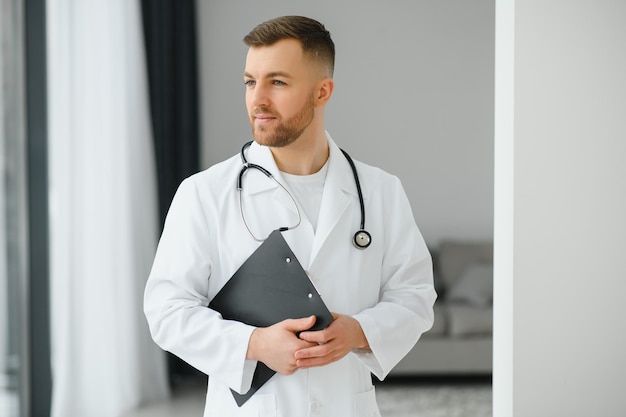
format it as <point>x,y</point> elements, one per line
<point>271,141</point>
<point>263,140</point>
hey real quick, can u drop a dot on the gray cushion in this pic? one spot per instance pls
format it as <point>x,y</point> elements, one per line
<point>454,257</point>
<point>439,326</point>
<point>466,320</point>
<point>474,287</point>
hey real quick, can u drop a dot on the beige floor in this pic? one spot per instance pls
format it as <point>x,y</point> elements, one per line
<point>184,403</point>
<point>395,400</point>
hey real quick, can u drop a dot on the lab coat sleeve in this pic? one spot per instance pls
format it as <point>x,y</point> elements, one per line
<point>405,308</point>
<point>176,298</point>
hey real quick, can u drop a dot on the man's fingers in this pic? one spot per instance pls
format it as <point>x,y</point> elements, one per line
<point>298,325</point>
<point>314,351</point>
<point>319,336</point>
<point>320,355</point>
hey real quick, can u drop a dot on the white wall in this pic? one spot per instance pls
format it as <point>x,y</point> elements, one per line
<point>560,310</point>
<point>414,95</point>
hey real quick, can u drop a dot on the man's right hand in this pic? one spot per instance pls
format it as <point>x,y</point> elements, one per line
<point>276,345</point>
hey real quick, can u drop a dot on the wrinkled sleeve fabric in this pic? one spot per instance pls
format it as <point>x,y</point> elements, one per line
<point>176,297</point>
<point>405,308</point>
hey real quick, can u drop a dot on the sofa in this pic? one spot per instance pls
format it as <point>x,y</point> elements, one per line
<point>460,341</point>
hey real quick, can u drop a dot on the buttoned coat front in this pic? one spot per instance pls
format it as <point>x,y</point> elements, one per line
<point>387,287</point>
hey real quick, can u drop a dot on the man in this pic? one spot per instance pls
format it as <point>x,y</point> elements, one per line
<point>381,297</point>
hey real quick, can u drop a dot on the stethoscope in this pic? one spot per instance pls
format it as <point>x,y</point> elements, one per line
<point>362,239</point>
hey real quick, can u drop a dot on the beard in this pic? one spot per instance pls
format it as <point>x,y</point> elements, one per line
<point>285,132</point>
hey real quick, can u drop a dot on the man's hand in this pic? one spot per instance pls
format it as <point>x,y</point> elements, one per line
<point>276,345</point>
<point>331,344</point>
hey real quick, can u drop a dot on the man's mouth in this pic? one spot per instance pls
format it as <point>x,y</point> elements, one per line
<point>264,118</point>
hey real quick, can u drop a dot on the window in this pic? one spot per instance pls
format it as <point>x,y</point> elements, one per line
<point>25,376</point>
<point>13,232</point>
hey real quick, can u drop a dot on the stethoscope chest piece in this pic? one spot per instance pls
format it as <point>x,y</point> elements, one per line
<point>362,239</point>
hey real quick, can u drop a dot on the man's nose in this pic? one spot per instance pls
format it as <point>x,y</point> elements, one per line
<point>258,96</point>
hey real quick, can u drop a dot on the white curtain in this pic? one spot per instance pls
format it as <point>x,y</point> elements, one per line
<point>103,210</point>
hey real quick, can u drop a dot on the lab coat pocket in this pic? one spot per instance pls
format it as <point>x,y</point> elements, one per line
<point>263,404</point>
<point>365,404</point>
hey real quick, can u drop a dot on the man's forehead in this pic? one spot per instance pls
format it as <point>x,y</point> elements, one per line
<point>284,56</point>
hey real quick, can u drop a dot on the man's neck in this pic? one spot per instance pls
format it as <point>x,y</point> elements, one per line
<point>305,156</point>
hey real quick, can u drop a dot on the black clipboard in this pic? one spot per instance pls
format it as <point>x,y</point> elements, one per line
<point>270,286</point>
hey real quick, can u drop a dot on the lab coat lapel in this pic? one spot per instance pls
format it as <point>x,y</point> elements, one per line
<point>338,190</point>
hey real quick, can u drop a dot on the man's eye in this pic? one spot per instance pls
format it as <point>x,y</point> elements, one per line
<point>250,83</point>
<point>279,83</point>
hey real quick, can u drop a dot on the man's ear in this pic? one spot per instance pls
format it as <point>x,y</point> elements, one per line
<point>324,91</point>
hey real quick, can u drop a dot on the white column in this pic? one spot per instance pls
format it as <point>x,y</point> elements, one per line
<point>560,316</point>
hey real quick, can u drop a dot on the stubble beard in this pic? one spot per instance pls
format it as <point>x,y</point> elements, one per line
<point>287,132</point>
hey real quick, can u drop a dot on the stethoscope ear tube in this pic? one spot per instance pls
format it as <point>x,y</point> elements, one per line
<point>247,165</point>
<point>240,177</point>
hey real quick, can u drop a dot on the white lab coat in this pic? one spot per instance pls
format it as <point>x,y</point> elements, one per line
<point>387,287</point>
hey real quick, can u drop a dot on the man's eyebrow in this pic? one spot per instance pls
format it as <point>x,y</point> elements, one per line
<point>270,75</point>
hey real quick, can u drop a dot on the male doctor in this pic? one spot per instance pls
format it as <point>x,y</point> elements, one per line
<point>381,297</point>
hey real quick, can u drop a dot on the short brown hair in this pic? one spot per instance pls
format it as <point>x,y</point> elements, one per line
<point>313,36</point>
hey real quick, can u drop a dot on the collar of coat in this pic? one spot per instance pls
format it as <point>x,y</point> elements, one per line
<point>339,172</point>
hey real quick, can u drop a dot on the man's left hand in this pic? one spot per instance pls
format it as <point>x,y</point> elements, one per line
<point>342,336</point>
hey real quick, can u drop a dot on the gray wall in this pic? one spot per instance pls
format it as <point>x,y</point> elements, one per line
<point>559,340</point>
<point>414,95</point>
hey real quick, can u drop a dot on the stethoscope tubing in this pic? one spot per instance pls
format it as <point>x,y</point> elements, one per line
<point>361,239</point>
<point>358,187</point>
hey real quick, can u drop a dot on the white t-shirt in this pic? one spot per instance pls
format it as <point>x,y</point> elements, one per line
<point>307,190</point>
